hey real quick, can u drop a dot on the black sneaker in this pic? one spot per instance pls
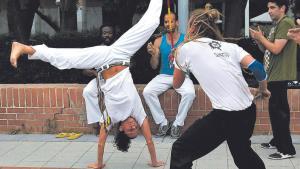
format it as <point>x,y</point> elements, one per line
<point>162,130</point>
<point>280,156</point>
<point>267,146</point>
<point>176,132</point>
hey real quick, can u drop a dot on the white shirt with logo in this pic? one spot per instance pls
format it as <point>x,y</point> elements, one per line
<point>216,66</point>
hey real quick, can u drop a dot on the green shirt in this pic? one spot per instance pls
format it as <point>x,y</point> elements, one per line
<point>282,66</point>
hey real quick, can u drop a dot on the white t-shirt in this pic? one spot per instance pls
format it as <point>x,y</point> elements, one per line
<point>122,99</point>
<point>216,66</point>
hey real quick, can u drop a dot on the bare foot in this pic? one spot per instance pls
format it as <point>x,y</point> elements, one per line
<point>17,50</point>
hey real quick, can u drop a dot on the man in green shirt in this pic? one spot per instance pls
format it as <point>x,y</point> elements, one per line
<point>281,65</point>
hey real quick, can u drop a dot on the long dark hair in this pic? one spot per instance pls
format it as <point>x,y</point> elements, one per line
<point>122,141</point>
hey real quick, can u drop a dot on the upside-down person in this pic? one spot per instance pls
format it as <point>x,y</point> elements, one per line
<point>217,67</point>
<point>123,104</point>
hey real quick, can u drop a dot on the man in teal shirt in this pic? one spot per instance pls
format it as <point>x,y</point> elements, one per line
<point>161,55</point>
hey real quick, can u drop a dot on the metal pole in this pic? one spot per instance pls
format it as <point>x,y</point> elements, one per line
<point>224,15</point>
<point>247,19</point>
<point>81,16</point>
<point>183,15</point>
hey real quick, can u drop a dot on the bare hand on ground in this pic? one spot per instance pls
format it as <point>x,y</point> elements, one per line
<point>157,164</point>
<point>96,166</point>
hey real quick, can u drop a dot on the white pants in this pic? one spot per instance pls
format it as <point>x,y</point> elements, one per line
<point>90,94</point>
<point>93,57</point>
<point>160,84</point>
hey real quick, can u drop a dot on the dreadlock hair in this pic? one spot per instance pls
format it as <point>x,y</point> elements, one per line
<point>122,141</point>
<point>203,22</point>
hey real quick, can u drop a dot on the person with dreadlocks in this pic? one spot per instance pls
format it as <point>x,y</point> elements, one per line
<point>122,101</point>
<point>217,65</point>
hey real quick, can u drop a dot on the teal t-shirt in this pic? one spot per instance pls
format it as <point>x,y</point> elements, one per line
<point>167,67</point>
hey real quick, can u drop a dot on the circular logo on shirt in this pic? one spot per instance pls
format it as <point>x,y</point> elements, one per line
<point>215,45</point>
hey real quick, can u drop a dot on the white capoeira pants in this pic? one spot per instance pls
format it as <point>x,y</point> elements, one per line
<point>122,50</point>
<point>90,95</point>
<point>160,84</point>
<point>94,57</point>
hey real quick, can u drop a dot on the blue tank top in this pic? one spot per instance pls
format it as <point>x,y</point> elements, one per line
<point>165,50</point>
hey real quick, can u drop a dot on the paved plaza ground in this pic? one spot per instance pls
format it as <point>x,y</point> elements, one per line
<point>46,151</point>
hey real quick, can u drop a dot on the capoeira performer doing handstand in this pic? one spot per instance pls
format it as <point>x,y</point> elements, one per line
<point>217,67</point>
<point>123,104</point>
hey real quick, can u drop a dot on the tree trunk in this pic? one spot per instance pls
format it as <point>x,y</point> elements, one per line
<point>126,12</point>
<point>20,15</point>
<point>68,15</point>
<point>119,13</point>
<point>258,7</point>
<point>234,18</point>
<point>48,20</point>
